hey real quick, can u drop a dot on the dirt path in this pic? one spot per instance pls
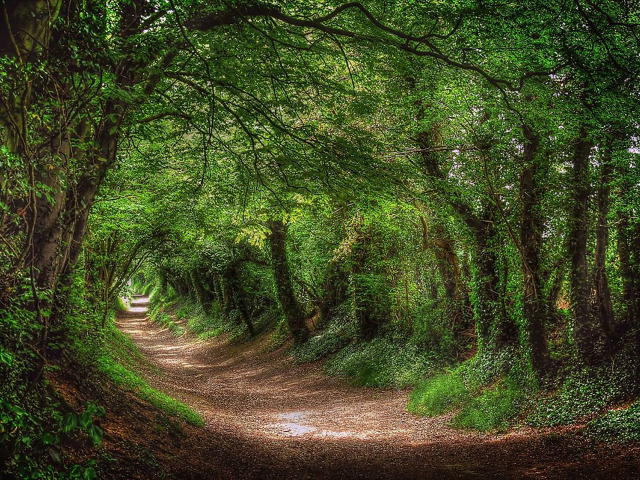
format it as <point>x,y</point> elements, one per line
<point>268,418</point>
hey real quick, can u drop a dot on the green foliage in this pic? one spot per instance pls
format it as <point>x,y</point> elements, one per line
<point>444,392</point>
<point>381,362</point>
<point>336,335</point>
<point>618,425</point>
<point>31,443</point>
<point>208,325</point>
<point>166,320</point>
<point>584,394</point>
<point>159,314</point>
<point>496,408</point>
<point>120,305</point>
<point>478,402</point>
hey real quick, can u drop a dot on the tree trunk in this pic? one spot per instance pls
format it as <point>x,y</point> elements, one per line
<point>487,308</point>
<point>628,247</point>
<point>585,333</point>
<point>604,304</point>
<point>164,284</point>
<point>282,277</point>
<point>370,305</point>
<point>335,290</point>
<point>234,284</point>
<point>200,293</point>
<point>531,229</point>
<point>495,331</point>
<point>217,289</point>
<point>447,260</point>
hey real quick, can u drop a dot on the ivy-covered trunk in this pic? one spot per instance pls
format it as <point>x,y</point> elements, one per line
<point>531,230</point>
<point>335,290</point>
<point>628,250</point>
<point>488,311</point>
<point>604,304</point>
<point>236,294</point>
<point>448,265</point>
<point>202,294</point>
<point>371,299</point>
<point>585,333</point>
<point>282,277</point>
<point>447,260</point>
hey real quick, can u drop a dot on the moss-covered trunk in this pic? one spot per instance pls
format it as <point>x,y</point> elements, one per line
<point>585,333</point>
<point>531,230</point>
<point>284,286</point>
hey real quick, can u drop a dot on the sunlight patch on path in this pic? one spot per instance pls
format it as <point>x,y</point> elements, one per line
<point>292,427</point>
<point>138,309</point>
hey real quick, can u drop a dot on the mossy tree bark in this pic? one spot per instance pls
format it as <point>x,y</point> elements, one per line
<point>284,286</point>
<point>531,230</point>
<point>604,304</point>
<point>585,332</point>
<point>236,294</point>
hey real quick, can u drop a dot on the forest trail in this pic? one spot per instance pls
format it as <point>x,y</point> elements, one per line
<point>269,418</point>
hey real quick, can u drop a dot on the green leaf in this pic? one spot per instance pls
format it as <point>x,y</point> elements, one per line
<point>70,422</point>
<point>95,434</point>
<point>90,474</point>
<point>86,419</point>
<point>48,439</point>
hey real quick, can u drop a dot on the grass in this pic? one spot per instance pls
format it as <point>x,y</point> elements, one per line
<point>166,320</point>
<point>158,314</point>
<point>204,325</point>
<point>120,305</point>
<point>494,409</point>
<point>500,401</point>
<point>478,402</point>
<point>444,392</point>
<point>117,362</point>
<point>336,335</point>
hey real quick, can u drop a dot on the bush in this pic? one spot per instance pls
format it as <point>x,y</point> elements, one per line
<point>583,395</point>
<point>444,393</point>
<point>337,334</point>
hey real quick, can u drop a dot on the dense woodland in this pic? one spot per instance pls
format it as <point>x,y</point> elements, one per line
<point>444,195</point>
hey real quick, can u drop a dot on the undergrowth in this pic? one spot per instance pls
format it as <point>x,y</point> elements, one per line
<point>381,362</point>
<point>205,324</point>
<point>159,313</point>
<point>588,395</point>
<point>621,424</point>
<point>505,400</point>
<point>479,398</point>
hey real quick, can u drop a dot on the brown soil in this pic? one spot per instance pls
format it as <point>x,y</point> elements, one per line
<point>267,418</point>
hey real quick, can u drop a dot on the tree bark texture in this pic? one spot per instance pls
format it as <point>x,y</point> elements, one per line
<point>585,333</point>
<point>282,276</point>
<point>531,230</point>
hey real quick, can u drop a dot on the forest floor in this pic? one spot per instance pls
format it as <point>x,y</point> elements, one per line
<point>267,417</point>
